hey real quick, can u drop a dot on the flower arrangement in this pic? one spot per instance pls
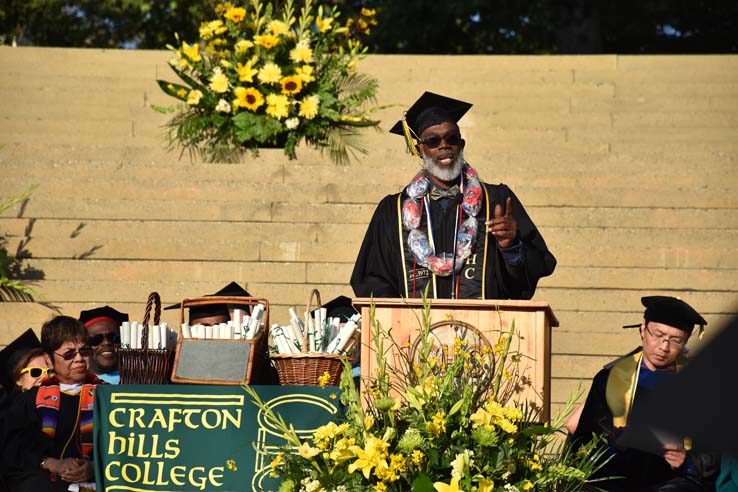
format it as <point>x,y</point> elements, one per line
<point>434,421</point>
<point>267,76</point>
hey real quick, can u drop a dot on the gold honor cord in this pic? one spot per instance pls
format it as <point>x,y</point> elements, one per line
<point>402,243</point>
<point>409,135</point>
<point>486,243</point>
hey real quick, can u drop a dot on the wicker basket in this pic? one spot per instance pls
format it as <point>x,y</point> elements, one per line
<point>304,369</point>
<point>257,368</point>
<point>145,365</point>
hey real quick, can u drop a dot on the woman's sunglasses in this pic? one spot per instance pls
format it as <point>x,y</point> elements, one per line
<point>72,353</point>
<point>96,340</point>
<point>35,372</point>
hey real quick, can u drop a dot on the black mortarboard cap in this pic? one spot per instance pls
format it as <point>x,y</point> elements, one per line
<point>430,109</point>
<point>208,310</point>
<point>232,289</point>
<point>340,307</point>
<point>10,355</point>
<point>92,315</point>
<point>671,311</point>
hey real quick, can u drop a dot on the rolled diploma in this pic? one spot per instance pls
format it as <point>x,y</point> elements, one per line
<point>125,335</point>
<point>255,322</point>
<point>279,338</point>
<point>300,325</point>
<point>156,339</point>
<point>186,331</point>
<point>135,336</point>
<point>341,339</point>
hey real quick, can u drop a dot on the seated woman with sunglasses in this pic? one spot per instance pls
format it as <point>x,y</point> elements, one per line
<point>31,370</point>
<point>48,430</point>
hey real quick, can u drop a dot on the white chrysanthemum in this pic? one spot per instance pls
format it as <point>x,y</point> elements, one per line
<point>291,123</point>
<point>223,106</point>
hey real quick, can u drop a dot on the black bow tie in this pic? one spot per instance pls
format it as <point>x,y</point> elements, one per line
<point>439,193</point>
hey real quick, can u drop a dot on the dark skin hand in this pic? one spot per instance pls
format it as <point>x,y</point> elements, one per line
<point>503,227</point>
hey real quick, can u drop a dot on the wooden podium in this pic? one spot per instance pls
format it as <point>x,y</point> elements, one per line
<point>533,322</point>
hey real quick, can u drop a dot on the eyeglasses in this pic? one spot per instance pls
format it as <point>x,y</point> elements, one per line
<point>35,372</point>
<point>453,139</point>
<point>72,353</point>
<point>661,338</point>
<point>111,336</point>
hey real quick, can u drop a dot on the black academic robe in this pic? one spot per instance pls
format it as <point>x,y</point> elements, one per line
<point>640,471</point>
<point>25,445</point>
<point>379,268</point>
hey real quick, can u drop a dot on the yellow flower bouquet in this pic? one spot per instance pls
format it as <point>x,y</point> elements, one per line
<point>268,76</point>
<point>439,420</point>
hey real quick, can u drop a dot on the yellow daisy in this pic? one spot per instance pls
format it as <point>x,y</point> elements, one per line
<point>249,98</point>
<point>270,73</point>
<point>277,27</point>
<point>182,92</point>
<point>291,84</point>
<point>302,53</point>
<point>212,28</point>
<point>267,41</point>
<point>277,106</point>
<point>235,14</point>
<point>193,98</point>
<point>192,54</point>
<point>309,107</point>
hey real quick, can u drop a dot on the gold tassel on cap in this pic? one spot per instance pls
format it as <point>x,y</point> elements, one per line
<point>409,136</point>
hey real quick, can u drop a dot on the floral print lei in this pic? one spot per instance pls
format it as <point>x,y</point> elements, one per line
<point>417,240</point>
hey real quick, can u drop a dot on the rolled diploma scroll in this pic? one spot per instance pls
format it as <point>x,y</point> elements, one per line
<point>155,337</point>
<point>135,336</point>
<point>163,329</point>
<point>255,322</point>
<point>125,335</point>
<point>279,338</point>
<point>186,331</point>
<point>295,341</point>
<point>296,333</point>
<point>236,317</point>
<point>300,325</point>
<point>310,332</point>
<point>222,330</point>
<point>344,335</point>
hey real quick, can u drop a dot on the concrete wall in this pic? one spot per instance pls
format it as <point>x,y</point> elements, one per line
<point>628,165</point>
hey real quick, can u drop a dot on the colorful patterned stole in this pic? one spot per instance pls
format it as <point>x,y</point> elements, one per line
<point>48,401</point>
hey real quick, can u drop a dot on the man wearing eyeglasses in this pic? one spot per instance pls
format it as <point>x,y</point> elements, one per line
<point>103,328</point>
<point>448,231</point>
<point>617,389</point>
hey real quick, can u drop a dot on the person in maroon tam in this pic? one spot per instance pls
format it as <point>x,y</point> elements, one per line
<point>624,385</point>
<point>448,231</point>
<point>103,328</point>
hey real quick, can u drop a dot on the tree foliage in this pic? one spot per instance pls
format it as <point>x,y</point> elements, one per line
<point>408,26</point>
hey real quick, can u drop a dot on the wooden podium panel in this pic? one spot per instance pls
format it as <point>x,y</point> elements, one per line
<point>533,322</point>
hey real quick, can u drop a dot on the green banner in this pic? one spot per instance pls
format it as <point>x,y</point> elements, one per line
<point>193,438</point>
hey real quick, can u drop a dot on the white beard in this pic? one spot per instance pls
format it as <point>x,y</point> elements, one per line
<point>446,174</point>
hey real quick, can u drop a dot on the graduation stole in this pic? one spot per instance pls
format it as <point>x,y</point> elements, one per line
<point>621,386</point>
<point>48,401</point>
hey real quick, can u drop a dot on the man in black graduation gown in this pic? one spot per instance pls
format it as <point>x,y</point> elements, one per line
<point>447,230</point>
<point>623,385</point>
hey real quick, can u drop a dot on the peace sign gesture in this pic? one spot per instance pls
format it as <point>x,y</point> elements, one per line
<point>503,227</point>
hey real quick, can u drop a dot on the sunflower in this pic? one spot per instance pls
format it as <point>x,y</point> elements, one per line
<point>292,84</point>
<point>247,97</point>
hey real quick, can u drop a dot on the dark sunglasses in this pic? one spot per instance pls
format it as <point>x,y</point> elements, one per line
<point>35,372</point>
<point>110,336</point>
<point>453,139</point>
<point>72,353</point>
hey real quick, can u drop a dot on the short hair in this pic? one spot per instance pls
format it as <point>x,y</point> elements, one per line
<point>61,329</point>
<point>23,362</point>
